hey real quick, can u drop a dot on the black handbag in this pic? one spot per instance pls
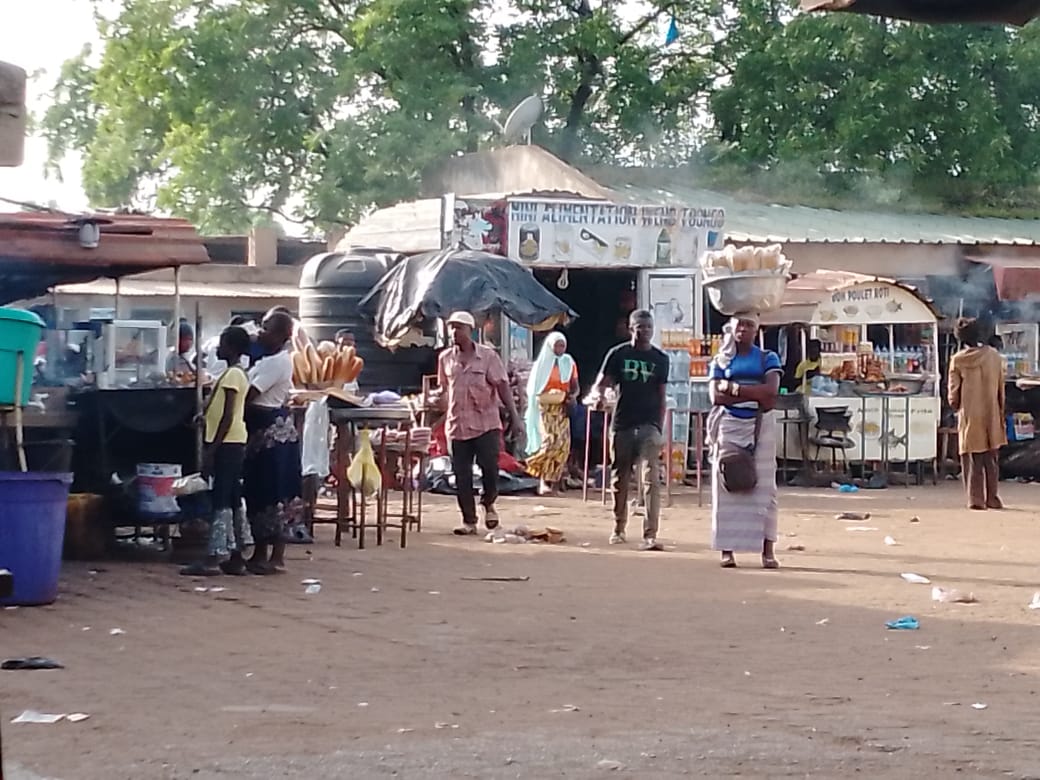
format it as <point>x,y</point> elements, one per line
<point>737,464</point>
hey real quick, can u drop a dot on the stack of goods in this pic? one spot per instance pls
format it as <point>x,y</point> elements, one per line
<point>326,365</point>
<point>395,440</point>
<point>747,259</point>
<point>178,379</point>
<point>748,279</point>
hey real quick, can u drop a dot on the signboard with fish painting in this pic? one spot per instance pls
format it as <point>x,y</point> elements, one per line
<point>601,234</point>
<point>872,303</point>
<point>875,429</point>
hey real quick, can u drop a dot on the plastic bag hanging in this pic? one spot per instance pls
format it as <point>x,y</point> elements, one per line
<point>673,32</point>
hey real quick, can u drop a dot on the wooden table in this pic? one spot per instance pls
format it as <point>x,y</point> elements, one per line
<point>353,517</point>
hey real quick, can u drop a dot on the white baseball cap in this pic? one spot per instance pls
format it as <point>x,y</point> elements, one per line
<point>462,318</point>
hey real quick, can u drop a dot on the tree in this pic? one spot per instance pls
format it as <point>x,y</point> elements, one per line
<point>882,110</point>
<point>226,111</point>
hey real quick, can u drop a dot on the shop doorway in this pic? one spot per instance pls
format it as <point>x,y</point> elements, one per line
<point>603,299</point>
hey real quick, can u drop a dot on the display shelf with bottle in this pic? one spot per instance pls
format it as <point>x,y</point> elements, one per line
<point>1020,346</point>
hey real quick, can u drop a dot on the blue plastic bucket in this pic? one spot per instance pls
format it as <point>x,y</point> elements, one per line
<point>20,331</point>
<point>32,531</point>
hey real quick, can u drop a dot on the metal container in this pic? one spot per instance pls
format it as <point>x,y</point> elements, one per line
<point>750,291</point>
<point>331,286</point>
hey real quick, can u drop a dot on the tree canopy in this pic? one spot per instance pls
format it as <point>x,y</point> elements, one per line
<point>232,111</point>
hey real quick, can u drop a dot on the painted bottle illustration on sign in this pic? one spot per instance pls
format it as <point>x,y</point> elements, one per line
<point>664,248</point>
<point>530,242</point>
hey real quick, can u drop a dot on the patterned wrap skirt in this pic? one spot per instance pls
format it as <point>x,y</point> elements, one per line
<point>272,483</point>
<point>551,459</point>
<point>741,522</point>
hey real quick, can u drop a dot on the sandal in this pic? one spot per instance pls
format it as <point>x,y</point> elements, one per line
<point>260,569</point>
<point>234,568</point>
<point>200,570</point>
<point>770,563</point>
<point>728,562</point>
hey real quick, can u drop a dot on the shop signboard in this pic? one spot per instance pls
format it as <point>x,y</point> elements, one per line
<point>872,303</point>
<point>600,234</point>
<point>874,429</point>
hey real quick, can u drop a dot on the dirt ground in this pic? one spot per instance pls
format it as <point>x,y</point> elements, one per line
<point>607,661</point>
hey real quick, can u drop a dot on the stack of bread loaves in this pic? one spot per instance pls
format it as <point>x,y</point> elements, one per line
<point>326,365</point>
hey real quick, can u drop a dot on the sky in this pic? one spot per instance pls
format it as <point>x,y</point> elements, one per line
<point>38,35</point>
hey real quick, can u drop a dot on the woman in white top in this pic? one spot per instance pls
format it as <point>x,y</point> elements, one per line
<point>272,483</point>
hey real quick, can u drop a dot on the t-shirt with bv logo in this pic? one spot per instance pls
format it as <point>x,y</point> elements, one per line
<point>639,375</point>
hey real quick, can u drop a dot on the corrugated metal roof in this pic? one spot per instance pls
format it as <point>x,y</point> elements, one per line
<point>146,289</point>
<point>773,223</point>
<point>409,228</point>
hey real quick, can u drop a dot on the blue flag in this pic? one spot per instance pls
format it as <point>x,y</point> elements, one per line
<point>673,33</point>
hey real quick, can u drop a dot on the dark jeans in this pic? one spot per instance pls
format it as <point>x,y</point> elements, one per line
<point>631,447</point>
<point>227,476</point>
<point>484,450</point>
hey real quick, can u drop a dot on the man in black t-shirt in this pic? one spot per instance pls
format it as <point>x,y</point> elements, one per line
<point>638,371</point>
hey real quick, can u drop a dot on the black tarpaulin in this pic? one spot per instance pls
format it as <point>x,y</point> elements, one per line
<point>1017,12</point>
<point>435,284</point>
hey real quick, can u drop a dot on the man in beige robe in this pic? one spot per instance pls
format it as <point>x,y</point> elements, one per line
<point>976,393</point>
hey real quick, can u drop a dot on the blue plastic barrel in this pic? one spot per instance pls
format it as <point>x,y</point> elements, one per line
<point>20,331</point>
<point>32,530</point>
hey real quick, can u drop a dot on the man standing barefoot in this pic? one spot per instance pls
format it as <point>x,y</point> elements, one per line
<point>639,371</point>
<point>473,381</point>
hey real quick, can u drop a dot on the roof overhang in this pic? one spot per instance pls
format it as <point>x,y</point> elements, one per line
<point>1016,12</point>
<point>1016,278</point>
<point>38,251</point>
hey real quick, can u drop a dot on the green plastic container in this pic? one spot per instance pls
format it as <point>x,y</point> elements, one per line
<point>20,331</point>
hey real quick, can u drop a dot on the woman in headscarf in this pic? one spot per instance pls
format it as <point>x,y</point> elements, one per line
<point>745,381</point>
<point>551,389</point>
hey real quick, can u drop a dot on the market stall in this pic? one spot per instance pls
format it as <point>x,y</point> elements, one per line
<point>876,397</point>
<point>606,259</point>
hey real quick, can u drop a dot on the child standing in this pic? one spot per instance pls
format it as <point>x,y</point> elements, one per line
<point>223,456</point>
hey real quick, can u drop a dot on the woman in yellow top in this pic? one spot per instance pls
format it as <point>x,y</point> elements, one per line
<point>223,456</point>
<point>810,367</point>
<point>551,389</point>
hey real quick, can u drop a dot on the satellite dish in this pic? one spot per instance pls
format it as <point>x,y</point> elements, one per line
<point>522,119</point>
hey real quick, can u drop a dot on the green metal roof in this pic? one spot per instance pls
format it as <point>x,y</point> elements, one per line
<point>763,222</point>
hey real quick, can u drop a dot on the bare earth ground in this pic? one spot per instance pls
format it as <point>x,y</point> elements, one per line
<point>399,668</point>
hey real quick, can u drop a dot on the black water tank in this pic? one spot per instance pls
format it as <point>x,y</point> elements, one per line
<point>331,285</point>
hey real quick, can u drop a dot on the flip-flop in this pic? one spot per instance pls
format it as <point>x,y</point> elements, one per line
<point>728,563</point>
<point>234,569</point>
<point>770,563</point>
<point>31,663</point>
<point>200,570</point>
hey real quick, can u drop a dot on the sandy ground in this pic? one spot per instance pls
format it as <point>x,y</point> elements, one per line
<point>606,662</point>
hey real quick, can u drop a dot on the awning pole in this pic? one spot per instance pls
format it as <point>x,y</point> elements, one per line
<point>175,327</point>
<point>116,317</point>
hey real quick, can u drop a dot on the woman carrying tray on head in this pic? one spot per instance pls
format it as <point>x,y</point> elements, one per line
<point>745,381</point>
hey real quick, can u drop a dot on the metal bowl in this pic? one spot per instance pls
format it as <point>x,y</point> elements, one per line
<point>758,291</point>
